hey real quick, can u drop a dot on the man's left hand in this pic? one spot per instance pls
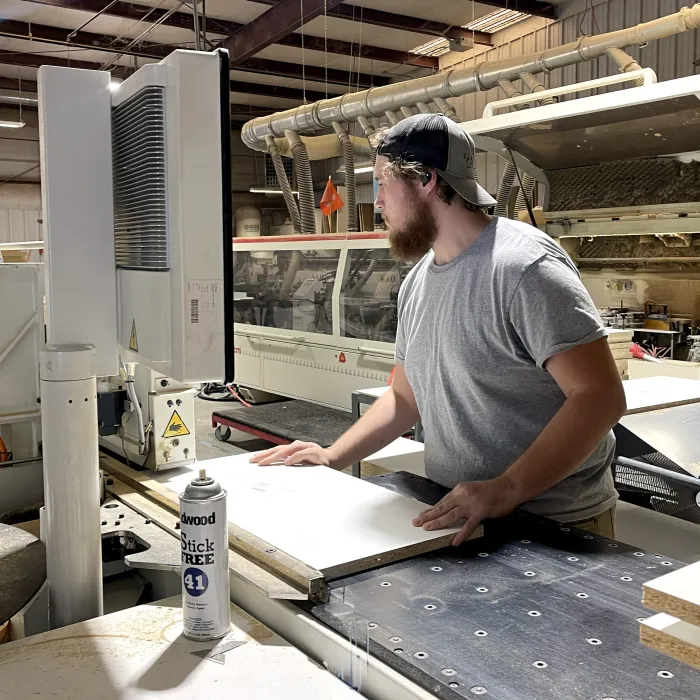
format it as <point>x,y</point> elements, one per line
<point>471,501</point>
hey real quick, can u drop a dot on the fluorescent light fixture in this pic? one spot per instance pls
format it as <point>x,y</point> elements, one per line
<point>11,125</point>
<point>265,190</point>
<point>364,169</point>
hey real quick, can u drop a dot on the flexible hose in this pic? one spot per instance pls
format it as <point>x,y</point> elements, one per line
<point>625,63</point>
<point>505,187</point>
<point>283,181</point>
<point>305,184</point>
<point>363,279</point>
<point>368,130</point>
<point>289,275</point>
<point>526,190</point>
<point>447,109</point>
<point>349,163</point>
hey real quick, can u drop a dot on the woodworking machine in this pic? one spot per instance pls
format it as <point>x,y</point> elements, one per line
<point>533,609</point>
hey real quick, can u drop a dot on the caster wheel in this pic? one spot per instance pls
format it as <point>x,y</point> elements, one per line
<point>222,435</point>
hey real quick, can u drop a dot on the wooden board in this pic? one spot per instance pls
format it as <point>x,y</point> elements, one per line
<point>653,393</point>
<point>275,561</point>
<point>677,593</point>
<point>333,522</point>
<point>672,637</point>
<point>266,582</point>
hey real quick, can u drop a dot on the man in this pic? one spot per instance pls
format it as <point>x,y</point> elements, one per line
<point>499,350</point>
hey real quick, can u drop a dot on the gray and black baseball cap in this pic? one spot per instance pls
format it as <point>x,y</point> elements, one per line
<point>437,142</point>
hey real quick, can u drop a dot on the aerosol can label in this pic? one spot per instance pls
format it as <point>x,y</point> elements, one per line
<point>204,543</point>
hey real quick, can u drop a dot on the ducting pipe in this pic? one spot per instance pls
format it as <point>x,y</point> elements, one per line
<point>406,111</point>
<point>349,162</point>
<point>305,184</point>
<point>625,63</point>
<point>447,109</point>
<point>482,76</point>
<point>24,101</point>
<point>424,108</point>
<point>325,146</point>
<point>505,186</point>
<point>392,117</point>
<point>368,130</point>
<point>284,183</point>
<point>536,86</point>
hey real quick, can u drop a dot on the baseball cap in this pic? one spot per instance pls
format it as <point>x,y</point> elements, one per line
<point>437,142</point>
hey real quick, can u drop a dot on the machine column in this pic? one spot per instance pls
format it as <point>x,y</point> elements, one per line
<point>71,483</point>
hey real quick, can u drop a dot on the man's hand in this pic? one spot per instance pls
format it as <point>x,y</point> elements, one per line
<point>292,455</point>
<point>471,501</point>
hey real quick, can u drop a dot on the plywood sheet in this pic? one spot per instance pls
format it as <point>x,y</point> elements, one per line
<point>672,637</point>
<point>317,515</point>
<point>652,393</point>
<point>676,593</point>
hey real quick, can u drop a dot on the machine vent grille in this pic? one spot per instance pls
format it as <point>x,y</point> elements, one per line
<point>140,197</point>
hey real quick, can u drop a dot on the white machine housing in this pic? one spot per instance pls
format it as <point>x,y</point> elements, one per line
<point>658,122</point>
<point>308,334</point>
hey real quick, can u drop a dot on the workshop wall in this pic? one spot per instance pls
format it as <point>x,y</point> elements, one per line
<point>20,212</point>
<point>19,148</point>
<point>672,57</point>
<point>681,291</point>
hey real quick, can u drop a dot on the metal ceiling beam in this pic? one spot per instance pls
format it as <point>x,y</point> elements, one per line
<point>125,10</point>
<point>405,23</point>
<point>36,60</point>
<point>55,35</point>
<point>528,7</point>
<point>276,23</point>
<point>287,93</point>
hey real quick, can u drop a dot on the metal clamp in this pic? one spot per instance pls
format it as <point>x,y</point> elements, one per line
<point>647,74</point>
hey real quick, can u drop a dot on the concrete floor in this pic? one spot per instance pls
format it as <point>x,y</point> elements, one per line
<point>208,447</point>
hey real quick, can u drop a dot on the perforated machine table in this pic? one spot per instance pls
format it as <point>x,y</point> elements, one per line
<point>534,610</point>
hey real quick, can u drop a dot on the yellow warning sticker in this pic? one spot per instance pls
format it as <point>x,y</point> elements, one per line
<point>176,427</point>
<point>133,340</point>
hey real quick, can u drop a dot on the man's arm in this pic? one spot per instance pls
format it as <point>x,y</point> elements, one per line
<point>388,418</point>
<point>595,401</point>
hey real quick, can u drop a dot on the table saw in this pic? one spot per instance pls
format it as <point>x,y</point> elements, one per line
<point>533,609</point>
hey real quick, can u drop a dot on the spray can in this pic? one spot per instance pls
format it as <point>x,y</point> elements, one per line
<point>204,543</point>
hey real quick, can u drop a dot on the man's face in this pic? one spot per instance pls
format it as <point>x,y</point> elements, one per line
<point>406,212</point>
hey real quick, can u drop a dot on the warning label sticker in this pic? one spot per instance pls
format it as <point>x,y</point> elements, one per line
<point>176,427</point>
<point>133,340</point>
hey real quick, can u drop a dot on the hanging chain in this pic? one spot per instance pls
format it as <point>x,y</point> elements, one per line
<point>325,40</point>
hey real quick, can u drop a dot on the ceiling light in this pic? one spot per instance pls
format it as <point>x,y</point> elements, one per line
<point>265,190</point>
<point>364,169</point>
<point>11,125</point>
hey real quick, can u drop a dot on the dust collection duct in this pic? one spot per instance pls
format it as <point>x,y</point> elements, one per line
<point>378,101</point>
<point>397,101</point>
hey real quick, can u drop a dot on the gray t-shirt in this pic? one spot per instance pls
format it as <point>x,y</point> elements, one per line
<point>474,335</point>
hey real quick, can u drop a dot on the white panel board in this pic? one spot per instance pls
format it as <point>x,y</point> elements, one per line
<point>76,174</point>
<point>320,516</point>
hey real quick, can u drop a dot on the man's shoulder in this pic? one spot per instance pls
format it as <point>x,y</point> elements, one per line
<point>517,246</point>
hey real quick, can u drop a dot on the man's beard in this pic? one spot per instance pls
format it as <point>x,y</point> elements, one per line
<point>417,235</point>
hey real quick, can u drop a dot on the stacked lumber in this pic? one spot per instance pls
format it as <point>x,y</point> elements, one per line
<point>619,342</point>
<point>675,631</point>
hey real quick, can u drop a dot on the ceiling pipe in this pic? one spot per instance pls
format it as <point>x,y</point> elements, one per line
<point>483,76</point>
<point>24,101</point>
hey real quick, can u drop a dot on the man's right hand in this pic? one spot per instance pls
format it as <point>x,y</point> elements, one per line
<point>292,455</point>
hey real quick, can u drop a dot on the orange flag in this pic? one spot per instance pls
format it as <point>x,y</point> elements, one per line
<point>331,200</point>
